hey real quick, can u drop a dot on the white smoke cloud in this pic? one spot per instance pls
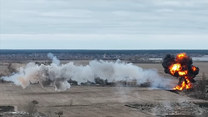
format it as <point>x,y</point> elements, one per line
<point>54,58</point>
<point>57,74</point>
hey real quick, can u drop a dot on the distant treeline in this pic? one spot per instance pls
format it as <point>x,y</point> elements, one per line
<point>131,55</point>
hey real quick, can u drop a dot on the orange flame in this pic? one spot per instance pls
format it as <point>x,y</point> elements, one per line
<point>177,68</point>
<point>194,68</point>
<point>182,73</point>
<point>184,85</point>
<point>181,56</point>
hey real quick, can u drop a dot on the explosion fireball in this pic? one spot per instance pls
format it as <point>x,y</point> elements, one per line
<point>182,68</point>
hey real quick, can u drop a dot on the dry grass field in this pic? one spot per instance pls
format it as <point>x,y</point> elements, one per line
<point>88,101</point>
<point>98,101</point>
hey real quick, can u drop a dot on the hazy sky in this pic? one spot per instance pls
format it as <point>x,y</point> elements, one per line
<point>103,24</point>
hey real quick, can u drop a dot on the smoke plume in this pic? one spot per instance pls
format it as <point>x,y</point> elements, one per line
<point>54,59</point>
<point>181,66</point>
<point>58,75</point>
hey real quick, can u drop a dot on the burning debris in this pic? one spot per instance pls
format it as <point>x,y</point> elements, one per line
<point>182,68</point>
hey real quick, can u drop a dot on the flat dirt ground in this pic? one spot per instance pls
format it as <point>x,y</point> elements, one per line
<point>96,101</point>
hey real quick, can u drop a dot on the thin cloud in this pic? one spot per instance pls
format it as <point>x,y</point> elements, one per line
<point>104,16</point>
<point>104,24</point>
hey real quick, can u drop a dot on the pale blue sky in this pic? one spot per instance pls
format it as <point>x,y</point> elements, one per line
<point>103,24</point>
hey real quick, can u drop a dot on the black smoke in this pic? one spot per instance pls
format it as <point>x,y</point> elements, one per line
<point>186,64</point>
